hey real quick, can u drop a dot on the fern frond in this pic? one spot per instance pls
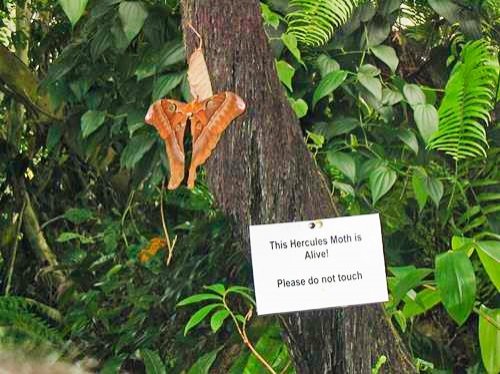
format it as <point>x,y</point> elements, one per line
<point>17,314</point>
<point>467,103</point>
<point>313,22</point>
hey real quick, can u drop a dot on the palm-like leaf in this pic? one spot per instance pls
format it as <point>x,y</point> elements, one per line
<point>314,21</point>
<point>467,103</point>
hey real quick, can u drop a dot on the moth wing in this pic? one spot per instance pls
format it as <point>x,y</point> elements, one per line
<point>220,110</point>
<point>170,124</point>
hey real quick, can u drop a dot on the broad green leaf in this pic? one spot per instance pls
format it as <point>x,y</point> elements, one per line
<point>387,55</point>
<point>290,41</point>
<point>489,254</point>
<point>427,120</point>
<point>460,243</point>
<point>199,316</point>
<point>435,189</point>
<point>447,9</point>
<point>405,283</point>
<point>317,139</point>
<point>381,181</point>
<point>152,362</point>
<point>53,137</point>
<point>372,84</point>
<point>91,121</point>
<point>489,339</point>
<point>112,365</point>
<point>344,187</point>
<point>326,65</point>
<point>77,216</point>
<point>391,97</point>
<point>74,9</point>
<point>270,345</point>
<point>198,297</point>
<point>136,149</point>
<point>456,283</point>
<point>328,84</point>
<point>204,363</point>
<point>344,162</point>
<point>218,288</point>
<point>166,83</point>
<point>218,319</point>
<point>418,184</point>
<point>423,301</point>
<point>414,94</point>
<point>132,14</point>
<point>299,106</point>
<point>285,73</point>
<point>409,138</point>
<point>270,18</point>
<point>155,61</point>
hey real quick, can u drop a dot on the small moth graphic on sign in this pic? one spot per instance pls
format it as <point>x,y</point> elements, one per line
<point>318,264</point>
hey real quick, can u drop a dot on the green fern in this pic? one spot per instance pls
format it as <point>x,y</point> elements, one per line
<point>467,103</point>
<point>19,318</point>
<point>313,22</point>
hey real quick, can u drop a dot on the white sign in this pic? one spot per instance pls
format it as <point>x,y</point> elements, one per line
<point>318,264</point>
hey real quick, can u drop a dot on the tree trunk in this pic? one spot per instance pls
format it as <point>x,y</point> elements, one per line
<point>262,172</point>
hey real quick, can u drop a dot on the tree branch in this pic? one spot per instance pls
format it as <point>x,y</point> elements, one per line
<point>23,83</point>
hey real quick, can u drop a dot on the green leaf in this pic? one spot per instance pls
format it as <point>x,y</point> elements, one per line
<point>423,301</point>
<point>132,14</point>
<point>418,184</point>
<point>435,189</point>
<point>414,94</point>
<point>270,18</point>
<point>67,236</point>
<point>199,316</point>
<point>74,9</point>
<point>218,319</point>
<point>152,362</point>
<point>197,298</point>
<point>381,181</point>
<point>112,365</point>
<point>53,137</point>
<point>489,339</point>
<point>299,106</point>
<point>409,280</point>
<point>391,97</point>
<point>387,55</point>
<point>155,61</point>
<point>409,138</point>
<point>328,84</point>
<point>427,120</point>
<point>460,243</point>
<point>217,288</point>
<point>204,363</point>
<point>136,149</point>
<point>285,73</point>
<point>77,216</point>
<point>489,254</point>
<point>91,121</point>
<point>290,41</point>
<point>367,79</point>
<point>344,162</point>
<point>456,283</point>
<point>166,83</point>
<point>326,65</point>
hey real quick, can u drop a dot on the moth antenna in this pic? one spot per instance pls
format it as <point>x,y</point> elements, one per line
<point>197,34</point>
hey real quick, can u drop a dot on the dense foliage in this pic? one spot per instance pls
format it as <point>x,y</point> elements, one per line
<point>398,101</point>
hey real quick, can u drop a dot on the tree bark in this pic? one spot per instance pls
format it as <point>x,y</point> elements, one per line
<point>262,172</point>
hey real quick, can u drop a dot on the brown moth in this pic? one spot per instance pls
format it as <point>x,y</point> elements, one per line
<point>209,118</point>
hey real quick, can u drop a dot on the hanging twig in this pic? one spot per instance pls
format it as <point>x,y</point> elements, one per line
<point>170,244</point>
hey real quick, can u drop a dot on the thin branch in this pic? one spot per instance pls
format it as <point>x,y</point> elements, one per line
<point>170,245</point>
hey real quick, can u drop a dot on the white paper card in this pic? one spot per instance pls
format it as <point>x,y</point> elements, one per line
<point>318,264</point>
